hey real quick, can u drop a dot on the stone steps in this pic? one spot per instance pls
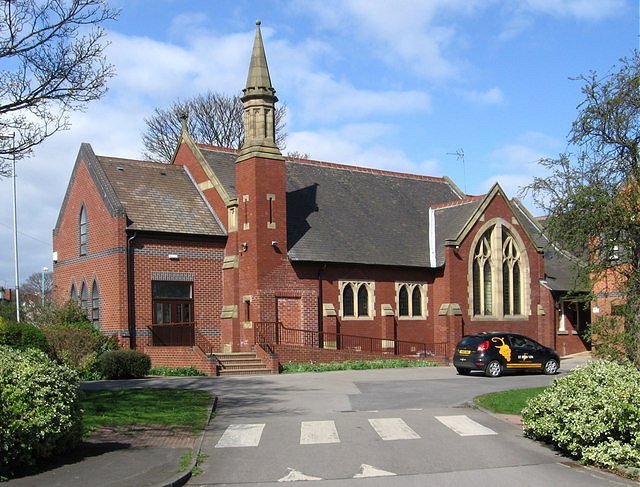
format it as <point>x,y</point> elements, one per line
<point>240,363</point>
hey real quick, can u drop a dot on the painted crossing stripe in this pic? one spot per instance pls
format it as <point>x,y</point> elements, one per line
<point>239,435</point>
<point>465,426</point>
<point>393,429</point>
<point>318,432</point>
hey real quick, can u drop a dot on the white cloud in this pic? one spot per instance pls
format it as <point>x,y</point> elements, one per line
<point>592,10</point>
<point>410,34</point>
<point>515,165</point>
<point>358,145</point>
<point>522,14</point>
<point>492,96</point>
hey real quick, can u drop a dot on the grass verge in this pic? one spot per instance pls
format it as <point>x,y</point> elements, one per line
<point>507,402</point>
<point>173,407</point>
<point>353,365</point>
<point>176,372</point>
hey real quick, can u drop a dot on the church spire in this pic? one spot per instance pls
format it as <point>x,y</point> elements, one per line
<point>258,79</point>
<point>259,107</point>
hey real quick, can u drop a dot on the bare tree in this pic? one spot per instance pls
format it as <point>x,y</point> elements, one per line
<point>31,288</point>
<point>213,118</point>
<point>52,54</point>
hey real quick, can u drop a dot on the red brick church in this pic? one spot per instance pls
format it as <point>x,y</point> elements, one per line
<point>226,251</point>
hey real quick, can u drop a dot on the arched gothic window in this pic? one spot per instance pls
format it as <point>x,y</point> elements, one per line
<point>482,278</point>
<point>416,301</point>
<point>511,281</point>
<point>83,232</point>
<point>357,299</point>
<point>410,300</point>
<point>347,301</point>
<point>499,271</point>
<point>95,304</point>
<point>84,299</point>
<point>73,294</point>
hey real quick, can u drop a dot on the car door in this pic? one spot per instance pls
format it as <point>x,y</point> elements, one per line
<point>525,353</point>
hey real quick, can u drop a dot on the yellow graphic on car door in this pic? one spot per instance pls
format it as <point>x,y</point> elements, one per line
<point>504,350</point>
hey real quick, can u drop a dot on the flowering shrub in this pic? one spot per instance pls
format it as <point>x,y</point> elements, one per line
<point>78,345</point>
<point>593,415</point>
<point>39,409</point>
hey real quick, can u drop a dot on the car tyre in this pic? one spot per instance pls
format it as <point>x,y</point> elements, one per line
<point>551,367</point>
<point>493,369</point>
<point>463,371</point>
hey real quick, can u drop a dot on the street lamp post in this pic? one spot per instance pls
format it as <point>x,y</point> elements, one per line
<point>44,269</point>
<point>12,136</point>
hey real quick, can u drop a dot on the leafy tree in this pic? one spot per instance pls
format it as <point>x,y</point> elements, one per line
<point>592,196</point>
<point>53,62</point>
<point>212,118</point>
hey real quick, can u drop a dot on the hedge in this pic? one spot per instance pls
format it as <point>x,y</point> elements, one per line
<point>39,409</point>
<point>592,415</point>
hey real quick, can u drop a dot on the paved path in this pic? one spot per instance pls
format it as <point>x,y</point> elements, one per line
<point>379,427</point>
<point>382,427</point>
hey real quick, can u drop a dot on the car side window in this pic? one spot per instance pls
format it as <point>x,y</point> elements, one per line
<point>518,342</point>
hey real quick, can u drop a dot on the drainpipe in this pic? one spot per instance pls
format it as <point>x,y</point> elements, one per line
<point>131,294</point>
<point>320,312</point>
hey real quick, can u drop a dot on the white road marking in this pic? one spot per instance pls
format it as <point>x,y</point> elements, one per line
<point>369,471</point>
<point>239,435</point>
<point>317,432</point>
<point>294,476</point>
<point>465,426</point>
<point>393,429</point>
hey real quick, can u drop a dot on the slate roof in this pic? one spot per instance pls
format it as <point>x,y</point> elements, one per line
<point>450,219</point>
<point>560,268</point>
<point>223,163</point>
<point>159,197</point>
<point>347,214</point>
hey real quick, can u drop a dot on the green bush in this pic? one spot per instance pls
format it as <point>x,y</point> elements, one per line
<point>593,415</point>
<point>22,335</point>
<point>78,344</point>
<point>123,364</point>
<point>39,409</point>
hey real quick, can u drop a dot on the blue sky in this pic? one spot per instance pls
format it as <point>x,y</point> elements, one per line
<point>400,85</point>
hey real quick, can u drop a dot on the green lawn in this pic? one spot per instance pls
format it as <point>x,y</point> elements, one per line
<point>175,407</point>
<point>507,402</point>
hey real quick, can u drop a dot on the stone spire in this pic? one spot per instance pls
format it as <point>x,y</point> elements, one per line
<point>259,107</point>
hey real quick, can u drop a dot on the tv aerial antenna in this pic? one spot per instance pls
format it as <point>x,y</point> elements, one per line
<point>460,157</point>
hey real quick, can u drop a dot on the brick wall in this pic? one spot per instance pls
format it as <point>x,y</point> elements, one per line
<point>200,260</point>
<point>105,261</point>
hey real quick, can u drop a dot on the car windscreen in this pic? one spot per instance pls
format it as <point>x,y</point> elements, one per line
<point>471,341</point>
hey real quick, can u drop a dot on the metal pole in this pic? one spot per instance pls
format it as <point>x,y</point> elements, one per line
<point>15,227</point>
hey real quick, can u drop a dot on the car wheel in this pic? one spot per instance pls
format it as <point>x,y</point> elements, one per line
<point>551,367</point>
<point>493,369</point>
<point>463,371</point>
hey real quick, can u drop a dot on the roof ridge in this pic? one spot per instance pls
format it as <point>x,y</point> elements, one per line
<point>348,167</point>
<point>463,201</point>
<point>128,159</point>
<point>217,148</point>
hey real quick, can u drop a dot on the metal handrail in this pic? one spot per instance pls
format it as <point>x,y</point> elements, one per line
<point>275,333</point>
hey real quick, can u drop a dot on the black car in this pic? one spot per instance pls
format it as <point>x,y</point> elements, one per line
<point>496,352</point>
